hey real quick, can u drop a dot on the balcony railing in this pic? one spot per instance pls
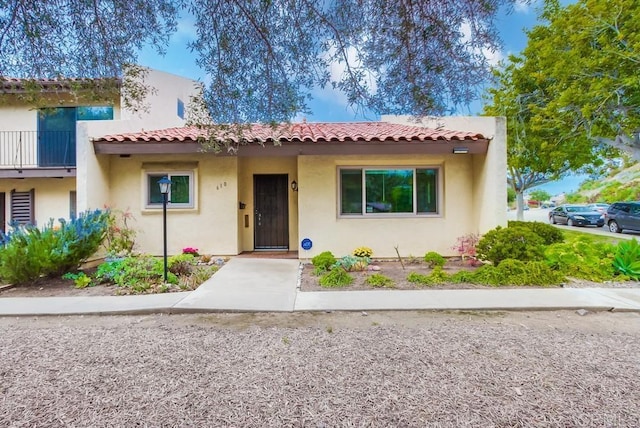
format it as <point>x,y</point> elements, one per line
<point>33,149</point>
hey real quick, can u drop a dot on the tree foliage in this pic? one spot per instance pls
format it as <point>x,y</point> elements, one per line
<point>585,57</point>
<point>535,154</point>
<point>540,195</point>
<point>264,57</point>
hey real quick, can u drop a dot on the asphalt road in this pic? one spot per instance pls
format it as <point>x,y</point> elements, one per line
<point>542,215</point>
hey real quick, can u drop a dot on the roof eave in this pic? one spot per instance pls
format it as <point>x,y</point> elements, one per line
<point>476,146</point>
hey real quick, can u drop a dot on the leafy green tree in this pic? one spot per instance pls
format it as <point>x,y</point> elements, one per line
<point>539,195</point>
<point>535,155</point>
<point>585,57</point>
<point>264,57</point>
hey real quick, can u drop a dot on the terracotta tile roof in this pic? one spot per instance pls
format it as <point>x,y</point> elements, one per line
<point>303,132</point>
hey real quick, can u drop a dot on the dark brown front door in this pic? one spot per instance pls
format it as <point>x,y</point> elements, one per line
<point>271,219</point>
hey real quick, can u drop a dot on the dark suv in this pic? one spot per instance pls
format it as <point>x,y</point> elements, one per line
<point>623,216</point>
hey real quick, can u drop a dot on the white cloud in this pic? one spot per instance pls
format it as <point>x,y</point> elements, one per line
<point>186,28</point>
<point>522,6</point>
<point>493,57</point>
<point>337,70</point>
<point>527,6</point>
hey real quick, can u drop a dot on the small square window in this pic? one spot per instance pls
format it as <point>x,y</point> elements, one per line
<point>181,193</point>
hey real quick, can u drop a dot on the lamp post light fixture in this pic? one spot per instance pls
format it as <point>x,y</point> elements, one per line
<point>165,186</point>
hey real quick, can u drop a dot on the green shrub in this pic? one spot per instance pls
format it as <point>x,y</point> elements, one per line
<point>138,273</point>
<point>418,278</point>
<point>575,198</point>
<point>511,268</point>
<point>379,280</point>
<point>549,234</point>
<point>512,272</point>
<point>28,253</point>
<point>434,259</point>
<point>181,264</point>
<point>581,256</point>
<point>627,259</point>
<point>323,261</point>
<point>199,275</point>
<point>76,240</point>
<point>24,255</point>
<point>337,277</point>
<point>518,243</point>
<point>352,263</point>
<point>363,252</point>
<point>80,279</point>
<point>462,276</point>
<point>437,276</point>
<point>120,237</point>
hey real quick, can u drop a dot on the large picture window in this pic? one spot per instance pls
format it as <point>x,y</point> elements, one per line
<point>181,194</point>
<point>391,191</point>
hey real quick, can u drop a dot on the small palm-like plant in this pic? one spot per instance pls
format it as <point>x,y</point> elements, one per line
<point>627,259</point>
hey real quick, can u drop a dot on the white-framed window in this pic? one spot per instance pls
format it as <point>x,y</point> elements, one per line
<point>389,191</point>
<point>181,194</point>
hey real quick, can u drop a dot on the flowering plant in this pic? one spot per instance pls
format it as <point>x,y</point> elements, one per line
<point>190,250</point>
<point>466,247</point>
<point>363,252</point>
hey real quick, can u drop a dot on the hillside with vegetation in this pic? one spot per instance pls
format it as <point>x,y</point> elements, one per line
<point>620,185</point>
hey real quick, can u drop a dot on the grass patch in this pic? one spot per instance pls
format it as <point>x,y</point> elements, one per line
<point>380,281</point>
<point>597,239</point>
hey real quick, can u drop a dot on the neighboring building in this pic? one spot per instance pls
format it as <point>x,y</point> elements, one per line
<point>45,152</point>
<point>394,183</point>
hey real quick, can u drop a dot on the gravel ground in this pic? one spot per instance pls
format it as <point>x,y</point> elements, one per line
<point>384,369</point>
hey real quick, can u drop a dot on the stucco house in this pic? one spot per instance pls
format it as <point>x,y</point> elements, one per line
<point>45,152</point>
<point>328,186</point>
<point>302,187</point>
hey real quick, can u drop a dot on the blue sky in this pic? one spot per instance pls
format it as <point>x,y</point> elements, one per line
<point>329,105</point>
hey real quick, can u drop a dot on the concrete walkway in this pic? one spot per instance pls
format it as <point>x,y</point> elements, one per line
<point>270,285</point>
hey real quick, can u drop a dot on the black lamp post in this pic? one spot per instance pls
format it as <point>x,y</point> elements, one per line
<point>165,186</point>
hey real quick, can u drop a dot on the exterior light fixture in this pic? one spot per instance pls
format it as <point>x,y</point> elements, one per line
<point>460,150</point>
<point>165,186</point>
<point>294,185</point>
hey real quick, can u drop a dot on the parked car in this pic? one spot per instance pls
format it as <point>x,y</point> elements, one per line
<point>600,207</point>
<point>576,215</point>
<point>623,216</point>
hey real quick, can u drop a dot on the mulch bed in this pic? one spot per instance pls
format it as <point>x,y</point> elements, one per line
<point>394,270</point>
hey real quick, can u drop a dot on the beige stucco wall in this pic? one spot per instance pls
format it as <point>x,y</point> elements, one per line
<point>319,220</point>
<point>247,167</point>
<point>161,103</point>
<point>211,226</point>
<point>93,170</point>
<point>489,171</point>
<point>52,196</point>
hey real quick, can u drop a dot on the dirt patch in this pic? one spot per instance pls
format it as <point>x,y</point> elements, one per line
<point>385,369</point>
<point>398,274</point>
<point>60,287</point>
<point>55,287</point>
